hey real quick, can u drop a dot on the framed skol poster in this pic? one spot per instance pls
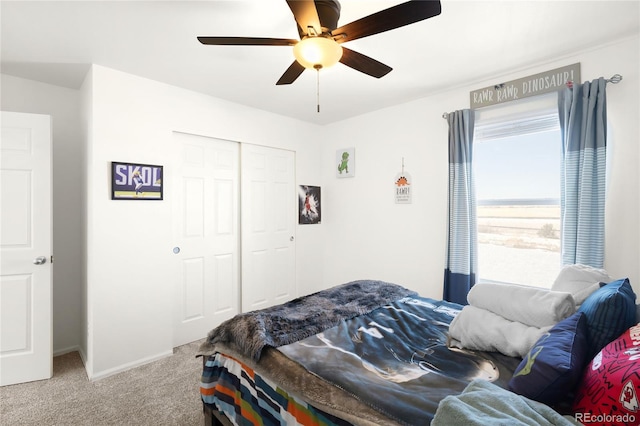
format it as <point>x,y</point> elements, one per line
<point>133,181</point>
<point>309,208</point>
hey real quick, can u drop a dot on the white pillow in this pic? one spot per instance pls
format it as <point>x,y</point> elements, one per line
<point>580,281</point>
<point>581,295</point>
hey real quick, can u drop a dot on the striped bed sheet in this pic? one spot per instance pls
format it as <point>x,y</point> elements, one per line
<point>247,398</point>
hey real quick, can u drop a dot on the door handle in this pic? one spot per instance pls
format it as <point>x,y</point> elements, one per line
<point>40,260</point>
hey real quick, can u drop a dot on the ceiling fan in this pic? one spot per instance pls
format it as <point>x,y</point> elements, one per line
<point>321,40</point>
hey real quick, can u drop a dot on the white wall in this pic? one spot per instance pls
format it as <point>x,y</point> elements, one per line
<point>129,243</point>
<point>622,245</point>
<point>368,236</point>
<point>63,105</point>
<point>85,121</point>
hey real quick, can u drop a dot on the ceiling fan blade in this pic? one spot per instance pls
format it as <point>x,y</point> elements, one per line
<point>306,15</point>
<point>388,19</point>
<point>247,41</point>
<point>291,74</point>
<point>363,63</point>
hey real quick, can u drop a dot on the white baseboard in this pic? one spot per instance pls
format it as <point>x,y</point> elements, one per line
<point>83,357</point>
<point>78,349</point>
<point>63,351</point>
<point>130,365</point>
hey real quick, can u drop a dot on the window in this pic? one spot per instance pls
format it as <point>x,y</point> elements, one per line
<point>517,163</point>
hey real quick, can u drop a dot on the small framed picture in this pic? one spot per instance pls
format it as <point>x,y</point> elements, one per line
<point>346,162</point>
<point>133,181</point>
<point>309,208</point>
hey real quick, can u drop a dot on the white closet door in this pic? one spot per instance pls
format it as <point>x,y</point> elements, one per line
<point>268,226</point>
<point>207,234</point>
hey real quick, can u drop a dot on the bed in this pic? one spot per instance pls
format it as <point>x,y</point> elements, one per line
<point>362,353</point>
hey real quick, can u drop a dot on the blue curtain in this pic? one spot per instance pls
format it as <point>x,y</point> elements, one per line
<point>583,123</point>
<point>462,240</point>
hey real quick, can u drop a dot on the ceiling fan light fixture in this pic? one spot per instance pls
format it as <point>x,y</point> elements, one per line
<point>317,52</point>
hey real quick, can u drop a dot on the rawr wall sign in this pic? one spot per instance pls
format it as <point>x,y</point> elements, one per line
<point>402,187</point>
<point>537,84</point>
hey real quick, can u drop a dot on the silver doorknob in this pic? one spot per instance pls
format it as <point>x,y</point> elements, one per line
<point>291,238</point>
<point>40,260</point>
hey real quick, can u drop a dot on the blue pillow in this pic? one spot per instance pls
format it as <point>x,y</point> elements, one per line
<point>610,311</point>
<point>554,365</point>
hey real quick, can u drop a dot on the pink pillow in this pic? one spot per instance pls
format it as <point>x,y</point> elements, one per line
<point>610,389</point>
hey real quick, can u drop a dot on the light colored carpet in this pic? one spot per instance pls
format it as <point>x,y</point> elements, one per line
<point>164,392</point>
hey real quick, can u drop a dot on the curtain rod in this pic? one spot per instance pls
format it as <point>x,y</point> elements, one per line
<point>615,79</point>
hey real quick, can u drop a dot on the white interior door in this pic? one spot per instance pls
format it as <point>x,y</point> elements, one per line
<point>207,234</point>
<point>25,248</point>
<point>269,203</point>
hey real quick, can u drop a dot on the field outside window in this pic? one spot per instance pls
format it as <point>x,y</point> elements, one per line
<point>518,206</point>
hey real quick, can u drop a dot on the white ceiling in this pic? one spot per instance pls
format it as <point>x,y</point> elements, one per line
<point>470,41</point>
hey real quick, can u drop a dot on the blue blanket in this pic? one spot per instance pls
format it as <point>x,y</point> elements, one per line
<point>482,403</point>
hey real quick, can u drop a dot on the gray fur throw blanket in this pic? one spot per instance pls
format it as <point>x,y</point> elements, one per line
<point>305,316</point>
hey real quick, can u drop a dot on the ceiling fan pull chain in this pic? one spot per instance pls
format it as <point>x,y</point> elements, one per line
<point>318,87</point>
